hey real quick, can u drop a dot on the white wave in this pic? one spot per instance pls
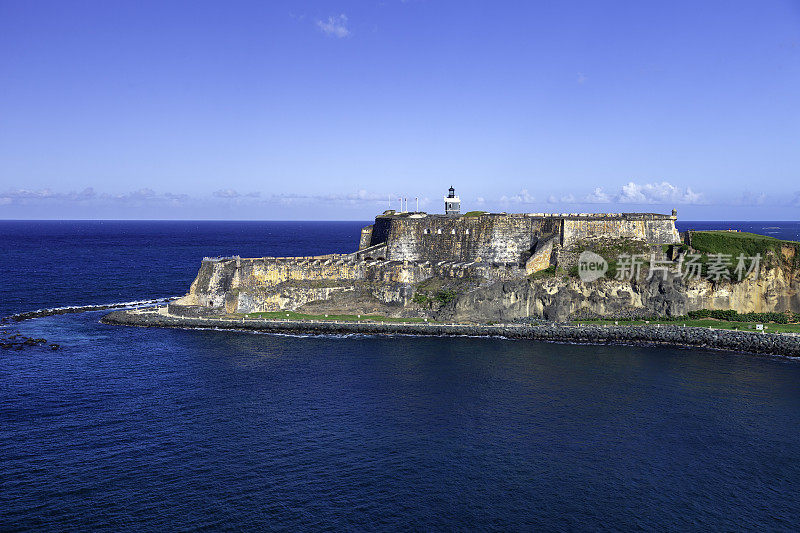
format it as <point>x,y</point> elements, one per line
<point>90,307</point>
<point>133,303</point>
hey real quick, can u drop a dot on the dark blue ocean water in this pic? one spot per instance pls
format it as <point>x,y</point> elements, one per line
<point>147,429</point>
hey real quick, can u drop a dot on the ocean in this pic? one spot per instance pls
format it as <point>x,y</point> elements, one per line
<point>151,430</point>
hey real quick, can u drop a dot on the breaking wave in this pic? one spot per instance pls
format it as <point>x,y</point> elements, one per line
<point>39,313</point>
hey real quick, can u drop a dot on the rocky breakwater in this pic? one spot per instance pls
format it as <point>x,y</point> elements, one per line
<point>737,341</point>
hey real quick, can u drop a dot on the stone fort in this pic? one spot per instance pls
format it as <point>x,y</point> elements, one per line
<point>402,248</point>
<point>502,238</point>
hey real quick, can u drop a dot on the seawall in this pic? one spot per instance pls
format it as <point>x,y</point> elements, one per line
<point>737,341</point>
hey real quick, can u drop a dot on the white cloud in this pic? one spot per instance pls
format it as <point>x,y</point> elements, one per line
<point>751,198</point>
<point>335,26</point>
<point>582,78</point>
<point>522,197</point>
<point>173,196</point>
<point>233,193</point>
<point>597,196</point>
<point>657,193</point>
<point>360,197</point>
<point>563,199</point>
<point>15,195</point>
<point>141,194</point>
<point>88,196</point>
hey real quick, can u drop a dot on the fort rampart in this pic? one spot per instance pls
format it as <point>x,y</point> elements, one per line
<point>232,283</point>
<point>503,238</point>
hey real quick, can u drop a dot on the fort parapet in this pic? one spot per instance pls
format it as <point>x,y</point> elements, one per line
<point>502,237</point>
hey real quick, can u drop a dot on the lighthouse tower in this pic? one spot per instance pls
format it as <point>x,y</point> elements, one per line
<point>452,203</point>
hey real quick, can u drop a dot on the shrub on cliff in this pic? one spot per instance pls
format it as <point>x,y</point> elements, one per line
<point>733,316</point>
<point>546,273</point>
<point>441,297</point>
<point>611,249</point>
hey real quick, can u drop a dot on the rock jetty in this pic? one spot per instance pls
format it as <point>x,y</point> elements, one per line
<point>737,341</point>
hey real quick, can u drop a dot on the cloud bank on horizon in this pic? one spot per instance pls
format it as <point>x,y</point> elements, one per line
<point>334,110</point>
<point>363,205</point>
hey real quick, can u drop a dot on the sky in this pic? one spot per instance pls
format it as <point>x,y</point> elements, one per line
<point>333,110</point>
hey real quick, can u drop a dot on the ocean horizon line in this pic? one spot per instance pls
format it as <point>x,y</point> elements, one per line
<point>299,220</point>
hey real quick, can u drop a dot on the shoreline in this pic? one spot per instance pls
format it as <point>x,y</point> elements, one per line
<point>74,309</point>
<point>669,335</point>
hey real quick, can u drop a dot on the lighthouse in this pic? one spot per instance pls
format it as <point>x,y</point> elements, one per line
<point>452,203</point>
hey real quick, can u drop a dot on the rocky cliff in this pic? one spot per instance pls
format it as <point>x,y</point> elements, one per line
<point>451,294</point>
<point>561,298</point>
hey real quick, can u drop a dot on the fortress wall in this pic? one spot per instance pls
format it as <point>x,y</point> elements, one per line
<point>267,284</point>
<point>267,273</point>
<point>658,229</point>
<point>274,271</point>
<point>380,230</point>
<point>540,259</point>
<point>501,239</point>
<point>366,237</point>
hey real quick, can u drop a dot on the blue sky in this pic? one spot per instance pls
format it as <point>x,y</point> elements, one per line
<point>324,110</point>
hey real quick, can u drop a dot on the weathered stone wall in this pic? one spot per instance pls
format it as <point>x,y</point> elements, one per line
<point>366,237</point>
<point>380,230</point>
<point>490,238</point>
<point>504,237</point>
<point>268,284</point>
<point>540,259</point>
<point>652,228</point>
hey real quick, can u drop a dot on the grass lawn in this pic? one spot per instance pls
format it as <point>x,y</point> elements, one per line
<point>735,243</point>
<point>703,323</point>
<point>291,315</point>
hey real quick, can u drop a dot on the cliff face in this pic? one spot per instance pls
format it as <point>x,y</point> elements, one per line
<point>562,298</point>
<point>777,289</point>
<point>236,285</point>
<point>243,286</point>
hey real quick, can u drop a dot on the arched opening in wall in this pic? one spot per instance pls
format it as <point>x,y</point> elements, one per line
<point>438,232</point>
<point>452,232</point>
<point>466,232</point>
<point>426,231</point>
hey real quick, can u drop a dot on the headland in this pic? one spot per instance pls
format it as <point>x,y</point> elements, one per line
<point>480,268</point>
